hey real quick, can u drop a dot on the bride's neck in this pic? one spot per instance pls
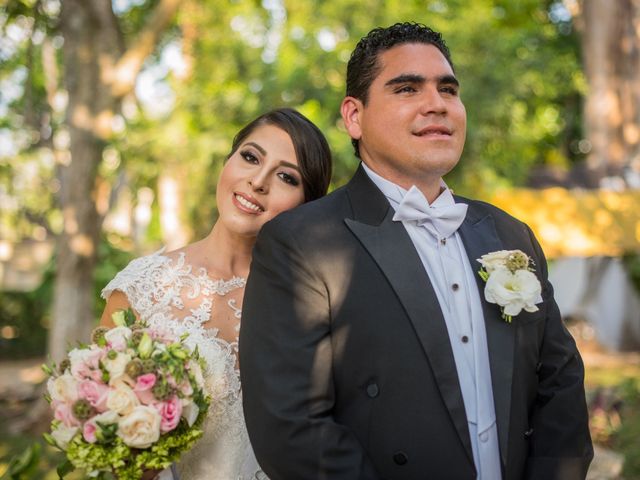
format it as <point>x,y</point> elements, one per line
<point>227,254</point>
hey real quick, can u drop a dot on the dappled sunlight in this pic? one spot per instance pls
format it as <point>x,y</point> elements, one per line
<point>82,245</point>
<point>577,222</point>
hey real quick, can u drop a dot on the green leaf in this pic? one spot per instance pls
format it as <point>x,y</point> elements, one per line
<point>129,317</point>
<point>64,469</point>
<point>21,466</point>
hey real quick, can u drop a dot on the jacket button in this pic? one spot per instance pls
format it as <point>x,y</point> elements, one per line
<point>528,433</point>
<point>373,390</point>
<point>400,458</point>
<point>538,367</point>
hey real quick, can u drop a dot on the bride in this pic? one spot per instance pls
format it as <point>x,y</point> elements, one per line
<point>277,162</point>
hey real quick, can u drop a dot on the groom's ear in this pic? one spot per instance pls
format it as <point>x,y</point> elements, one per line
<point>350,110</point>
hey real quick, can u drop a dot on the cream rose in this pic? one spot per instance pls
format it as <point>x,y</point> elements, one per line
<point>63,435</point>
<point>141,427</point>
<point>494,260</point>
<point>118,337</point>
<point>116,366</point>
<point>122,399</point>
<point>63,388</point>
<point>513,291</point>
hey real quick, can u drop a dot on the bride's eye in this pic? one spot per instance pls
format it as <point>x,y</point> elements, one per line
<point>249,156</point>
<point>290,179</point>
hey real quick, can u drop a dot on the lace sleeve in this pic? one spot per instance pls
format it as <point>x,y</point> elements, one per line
<point>137,282</point>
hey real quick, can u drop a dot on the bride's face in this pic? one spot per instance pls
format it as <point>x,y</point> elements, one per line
<point>260,180</point>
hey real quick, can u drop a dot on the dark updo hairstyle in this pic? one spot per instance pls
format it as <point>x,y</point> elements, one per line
<point>364,67</point>
<point>312,149</point>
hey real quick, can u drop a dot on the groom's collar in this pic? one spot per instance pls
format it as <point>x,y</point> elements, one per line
<point>368,203</point>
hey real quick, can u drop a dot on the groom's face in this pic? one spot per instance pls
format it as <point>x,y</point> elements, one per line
<point>413,126</point>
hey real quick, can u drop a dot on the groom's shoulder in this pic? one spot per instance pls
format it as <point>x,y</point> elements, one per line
<point>330,207</point>
<point>325,211</point>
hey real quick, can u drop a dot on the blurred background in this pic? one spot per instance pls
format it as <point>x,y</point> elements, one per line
<point>116,116</point>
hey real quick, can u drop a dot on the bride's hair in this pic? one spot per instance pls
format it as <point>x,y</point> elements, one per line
<point>312,149</point>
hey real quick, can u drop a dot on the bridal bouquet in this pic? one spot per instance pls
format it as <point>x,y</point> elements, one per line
<point>131,400</point>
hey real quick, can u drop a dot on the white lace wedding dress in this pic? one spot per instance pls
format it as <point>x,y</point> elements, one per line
<point>166,292</point>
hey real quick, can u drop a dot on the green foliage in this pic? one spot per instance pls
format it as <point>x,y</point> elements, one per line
<point>625,439</point>
<point>24,465</point>
<point>29,312</point>
<point>520,73</point>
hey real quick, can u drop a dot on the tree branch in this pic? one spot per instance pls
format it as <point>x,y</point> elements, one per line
<point>130,64</point>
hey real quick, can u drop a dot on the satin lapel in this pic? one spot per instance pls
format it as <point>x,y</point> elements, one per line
<point>392,249</point>
<point>480,237</point>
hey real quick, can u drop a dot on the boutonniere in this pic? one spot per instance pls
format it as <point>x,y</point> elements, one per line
<point>511,282</point>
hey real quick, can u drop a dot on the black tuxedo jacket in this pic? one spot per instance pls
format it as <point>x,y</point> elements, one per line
<point>346,364</point>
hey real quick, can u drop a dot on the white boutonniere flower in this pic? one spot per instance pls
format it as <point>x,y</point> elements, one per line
<point>511,282</point>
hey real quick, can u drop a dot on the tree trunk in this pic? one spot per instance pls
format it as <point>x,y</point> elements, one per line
<point>610,44</point>
<point>97,74</point>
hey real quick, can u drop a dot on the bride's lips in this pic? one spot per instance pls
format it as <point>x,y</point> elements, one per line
<point>247,203</point>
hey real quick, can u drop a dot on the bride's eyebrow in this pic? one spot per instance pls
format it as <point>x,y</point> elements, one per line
<point>257,147</point>
<point>290,165</point>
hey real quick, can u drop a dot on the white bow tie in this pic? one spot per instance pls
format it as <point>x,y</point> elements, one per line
<point>445,220</point>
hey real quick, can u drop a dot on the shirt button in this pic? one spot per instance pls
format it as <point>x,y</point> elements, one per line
<point>484,437</point>
<point>455,287</point>
<point>400,458</point>
<point>465,339</point>
<point>373,390</point>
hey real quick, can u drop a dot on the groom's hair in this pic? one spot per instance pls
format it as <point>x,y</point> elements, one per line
<point>364,67</point>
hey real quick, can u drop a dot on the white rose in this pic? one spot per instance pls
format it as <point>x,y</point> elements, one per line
<point>190,411</point>
<point>141,427</point>
<point>117,366</point>
<point>121,399</point>
<point>63,388</point>
<point>118,337</point>
<point>513,291</point>
<point>63,435</point>
<point>494,260</point>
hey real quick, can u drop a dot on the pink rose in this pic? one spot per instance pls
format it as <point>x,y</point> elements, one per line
<point>89,432</point>
<point>144,384</point>
<point>63,413</point>
<point>95,393</point>
<point>170,411</point>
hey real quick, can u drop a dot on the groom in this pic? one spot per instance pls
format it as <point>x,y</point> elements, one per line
<point>367,347</point>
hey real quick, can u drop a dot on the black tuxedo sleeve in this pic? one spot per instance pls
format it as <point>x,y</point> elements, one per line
<point>286,368</point>
<point>560,441</point>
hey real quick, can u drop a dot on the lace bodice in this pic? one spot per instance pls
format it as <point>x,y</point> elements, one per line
<point>169,294</point>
